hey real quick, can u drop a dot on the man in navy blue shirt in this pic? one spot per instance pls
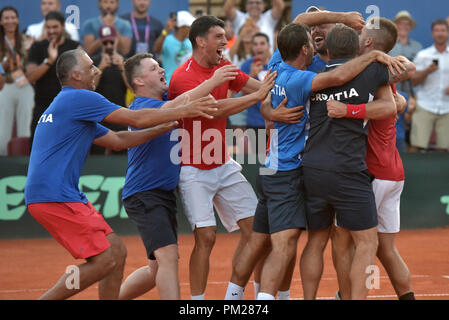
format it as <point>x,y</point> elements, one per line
<point>63,137</point>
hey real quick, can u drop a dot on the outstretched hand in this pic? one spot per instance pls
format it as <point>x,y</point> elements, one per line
<point>226,73</point>
<point>354,20</point>
<point>267,85</point>
<point>204,107</point>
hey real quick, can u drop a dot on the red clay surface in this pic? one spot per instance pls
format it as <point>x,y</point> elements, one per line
<point>29,267</point>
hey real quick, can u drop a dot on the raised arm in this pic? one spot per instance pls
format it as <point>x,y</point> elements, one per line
<point>230,106</point>
<point>229,9</point>
<point>221,75</point>
<point>145,118</point>
<point>127,139</point>
<point>352,68</point>
<point>277,9</point>
<point>351,19</point>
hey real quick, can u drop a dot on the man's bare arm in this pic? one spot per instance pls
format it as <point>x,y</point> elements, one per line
<point>352,68</point>
<point>351,19</point>
<point>277,9</point>
<point>229,9</point>
<point>127,139</point>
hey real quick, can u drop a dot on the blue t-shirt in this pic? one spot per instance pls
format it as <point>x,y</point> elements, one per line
<point>254,117</point>
<point>62,140</point>
<point>150,165</point>
<point>2,71</point>
<point>287,144</point>
<point>92,26</point>
<point>400,123</point>
<point>317,65</point>
<point>174,53</point>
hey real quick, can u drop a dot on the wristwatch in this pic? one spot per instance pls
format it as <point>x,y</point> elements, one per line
<point>47,62</point>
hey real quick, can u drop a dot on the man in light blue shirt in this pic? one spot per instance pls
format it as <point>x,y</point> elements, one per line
<point>91,27</point>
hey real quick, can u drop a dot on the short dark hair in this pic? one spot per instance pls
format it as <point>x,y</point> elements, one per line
<point>291,39</point>
<point>131,65</point>
<point>201,26</point>
<point>342,42</point>
<point>439,21</point>
<point>66,63</point>
<point>261,34</point>
<point>55,15</point>
<point>385,36</point>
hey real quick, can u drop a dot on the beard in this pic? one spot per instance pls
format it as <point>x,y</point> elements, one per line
<point>106,12</point>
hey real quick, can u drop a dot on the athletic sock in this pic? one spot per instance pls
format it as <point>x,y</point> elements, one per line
<point>407,296</point>
<point>284,295</point>
<point>234,292</point>
<point>264,296</point>
<point>198,297</point>
<point>256,289</point>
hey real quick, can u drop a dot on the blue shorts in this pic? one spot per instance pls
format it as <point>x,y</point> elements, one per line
<point>281,202</point>
<point>348,196</point>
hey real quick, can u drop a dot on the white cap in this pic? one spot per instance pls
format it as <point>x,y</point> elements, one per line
<point>184,19</point>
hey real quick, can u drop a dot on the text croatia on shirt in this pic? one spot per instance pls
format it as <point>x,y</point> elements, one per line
<point>340,144</point>
<point>288,140</point>
<point>154,164</point>
<point>62,141</point>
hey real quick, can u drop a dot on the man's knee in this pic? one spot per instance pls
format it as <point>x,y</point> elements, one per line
<point>167,255</point>
<point>104,262</point>
<point>205,238</point>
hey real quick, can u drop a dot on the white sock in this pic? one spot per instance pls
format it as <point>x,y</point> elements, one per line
<point>264,296</point>
<point>256,289</point>
<point>198,297</point>
<point>284,295</point>
<point>234,292</point>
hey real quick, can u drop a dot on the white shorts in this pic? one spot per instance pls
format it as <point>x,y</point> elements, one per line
<point>388,200</point>
<point>223,187</point>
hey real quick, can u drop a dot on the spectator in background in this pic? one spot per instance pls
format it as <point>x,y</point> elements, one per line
<point>91,27</point>
<point>37,30</point>
<point>405,46</point>
<point>432,89</point>
<point>257,68</point>
<point>177,48</point>
<point>17,95</point>
<point>111,83</point>
<point>2,77</point>
<point>146,28</point>
<point>241,49</point>
<point>266,21</point>
<point>41,66</point>
<point>230,34</point>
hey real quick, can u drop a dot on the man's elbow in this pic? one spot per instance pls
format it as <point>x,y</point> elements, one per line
<point>390,109</point>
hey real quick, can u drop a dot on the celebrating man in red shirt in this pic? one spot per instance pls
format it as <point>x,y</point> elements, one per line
<point>209,177</point>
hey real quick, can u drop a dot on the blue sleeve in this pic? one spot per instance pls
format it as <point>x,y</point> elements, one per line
<point>246,67</point>
<point>89,28</point>
<point>92,106</point>
<point>124,27</point>
<point>100,131</point>
<point>1,70</point>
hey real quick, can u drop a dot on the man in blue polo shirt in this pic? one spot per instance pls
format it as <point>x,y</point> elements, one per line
<point>63,137</point>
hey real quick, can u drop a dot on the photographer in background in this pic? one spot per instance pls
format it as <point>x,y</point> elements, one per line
<point>111,83</point>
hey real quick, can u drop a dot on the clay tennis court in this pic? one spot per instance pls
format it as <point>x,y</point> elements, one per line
<point>29,267</point>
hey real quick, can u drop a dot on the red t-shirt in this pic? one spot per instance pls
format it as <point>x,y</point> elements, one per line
<point>382,156</point>
<point>203,148</point>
